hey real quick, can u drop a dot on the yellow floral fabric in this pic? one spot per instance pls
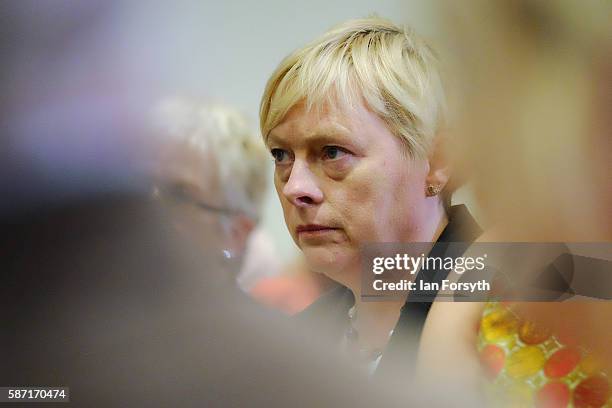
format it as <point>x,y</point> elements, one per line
<point>531,367</point>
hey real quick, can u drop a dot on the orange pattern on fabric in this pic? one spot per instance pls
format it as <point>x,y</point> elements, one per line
<point>530,367</point>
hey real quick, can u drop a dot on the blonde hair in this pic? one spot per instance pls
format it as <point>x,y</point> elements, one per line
<point>241,157</point>
<point>392,69</point>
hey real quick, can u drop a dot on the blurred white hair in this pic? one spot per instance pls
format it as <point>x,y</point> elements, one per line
<point>240,153</point>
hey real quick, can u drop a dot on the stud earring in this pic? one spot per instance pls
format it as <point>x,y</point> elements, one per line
<point>433,190</point>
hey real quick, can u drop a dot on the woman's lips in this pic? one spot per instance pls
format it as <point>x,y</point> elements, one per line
<point>313,230</point>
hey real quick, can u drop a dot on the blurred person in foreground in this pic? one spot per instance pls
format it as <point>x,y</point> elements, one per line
<point>355,124</point>
<point>537,123</point>
<point>102,294</point>
<point>212,167</point>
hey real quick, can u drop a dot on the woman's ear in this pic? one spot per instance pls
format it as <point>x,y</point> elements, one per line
<point>439,166</point>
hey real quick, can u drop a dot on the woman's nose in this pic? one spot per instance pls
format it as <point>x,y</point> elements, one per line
<point>302,189</point>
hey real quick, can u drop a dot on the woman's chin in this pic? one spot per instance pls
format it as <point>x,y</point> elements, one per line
<point>328,261</point>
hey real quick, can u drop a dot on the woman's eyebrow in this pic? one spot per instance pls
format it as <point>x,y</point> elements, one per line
<point>272,139</point>
<point>329,132</point>
<point>335,135</point>
<point>316,136</point>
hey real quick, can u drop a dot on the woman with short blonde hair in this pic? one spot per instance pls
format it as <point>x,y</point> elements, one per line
<point>353,121</point>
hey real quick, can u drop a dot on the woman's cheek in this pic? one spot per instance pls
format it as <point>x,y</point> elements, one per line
<point>360,212</point>
<point>282,172</point>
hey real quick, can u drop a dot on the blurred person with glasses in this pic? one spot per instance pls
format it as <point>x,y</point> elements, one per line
<point>211,171</point>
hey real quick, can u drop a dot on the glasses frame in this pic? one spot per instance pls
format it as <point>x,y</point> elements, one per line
<point>179,193</point>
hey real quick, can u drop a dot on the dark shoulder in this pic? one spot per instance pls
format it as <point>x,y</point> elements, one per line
<point>462,227</point>
<point>328,315</point>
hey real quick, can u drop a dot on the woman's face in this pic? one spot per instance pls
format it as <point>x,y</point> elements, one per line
<point>344,180</point>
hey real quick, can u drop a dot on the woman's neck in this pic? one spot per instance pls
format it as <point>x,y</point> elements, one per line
<point>373,320</point>
<point>439,221</point>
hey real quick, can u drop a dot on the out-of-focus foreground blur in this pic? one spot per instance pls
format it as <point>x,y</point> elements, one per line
<point>102,291</point>
<point>533,119</point>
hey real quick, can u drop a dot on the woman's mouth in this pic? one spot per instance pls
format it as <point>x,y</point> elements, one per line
<point>313,230</point>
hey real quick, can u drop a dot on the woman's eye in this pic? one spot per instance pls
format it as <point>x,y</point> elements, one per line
<point>333,152</point>
<point>280,155</point>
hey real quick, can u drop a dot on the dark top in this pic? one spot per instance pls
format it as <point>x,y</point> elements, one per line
<point>328,316</point>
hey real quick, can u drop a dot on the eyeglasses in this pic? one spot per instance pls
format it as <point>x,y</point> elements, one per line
<point>180,193</point>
